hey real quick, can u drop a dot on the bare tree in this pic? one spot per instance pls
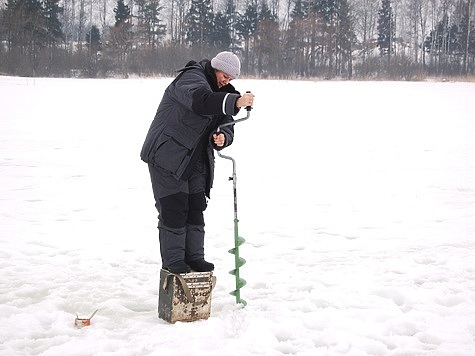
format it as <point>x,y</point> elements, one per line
<point>177,21</point>
<point>365,21</point>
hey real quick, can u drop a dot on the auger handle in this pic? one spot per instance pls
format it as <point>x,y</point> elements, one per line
<point>248,109</point>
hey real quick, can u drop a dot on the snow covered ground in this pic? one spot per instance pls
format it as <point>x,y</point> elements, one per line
<point>357,201</point>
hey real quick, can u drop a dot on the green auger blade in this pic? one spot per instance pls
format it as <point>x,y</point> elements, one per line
<point>235,292</point>
<point>241,283</point>
<point>241,301</point>
<point>239,241</point>
<point>241,262</point>
<point>235,271</point>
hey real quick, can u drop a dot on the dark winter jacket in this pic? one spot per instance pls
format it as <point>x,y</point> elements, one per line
<point>192,108</point>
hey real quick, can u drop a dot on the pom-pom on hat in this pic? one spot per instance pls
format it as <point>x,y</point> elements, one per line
<point>228,63</point>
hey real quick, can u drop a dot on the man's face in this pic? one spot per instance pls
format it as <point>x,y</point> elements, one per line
<point>223,78</point>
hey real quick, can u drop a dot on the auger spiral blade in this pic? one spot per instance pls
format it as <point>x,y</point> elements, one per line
<point>238,263</point>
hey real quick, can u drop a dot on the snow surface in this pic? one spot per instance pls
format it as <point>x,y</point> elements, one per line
<point>357,201</point>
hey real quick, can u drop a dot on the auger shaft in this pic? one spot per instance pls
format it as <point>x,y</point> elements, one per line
<point>238,240</point>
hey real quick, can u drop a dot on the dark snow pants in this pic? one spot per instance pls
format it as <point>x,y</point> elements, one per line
<point>180,206</point>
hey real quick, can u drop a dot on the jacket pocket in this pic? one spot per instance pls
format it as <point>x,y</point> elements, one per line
<point>172,153</point>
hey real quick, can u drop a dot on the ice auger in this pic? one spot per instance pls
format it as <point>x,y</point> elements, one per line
<point>238,240</point>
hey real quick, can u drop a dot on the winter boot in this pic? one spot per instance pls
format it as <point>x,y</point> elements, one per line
<point>194,251</point>
<point>172,249</point>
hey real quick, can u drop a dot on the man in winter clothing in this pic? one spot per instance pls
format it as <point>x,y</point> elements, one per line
<point>179,152</point>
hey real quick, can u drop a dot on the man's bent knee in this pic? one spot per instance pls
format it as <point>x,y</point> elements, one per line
<point>174,210</point>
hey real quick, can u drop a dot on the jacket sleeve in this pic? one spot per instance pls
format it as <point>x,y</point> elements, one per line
<point>228,132</point>
<point>193,91</point>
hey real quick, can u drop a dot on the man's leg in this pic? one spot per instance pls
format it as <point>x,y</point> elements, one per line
<point>172,202</point>
<point>195,232</point>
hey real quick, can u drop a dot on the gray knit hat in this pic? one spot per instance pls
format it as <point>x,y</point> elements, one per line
<point>228,63</point>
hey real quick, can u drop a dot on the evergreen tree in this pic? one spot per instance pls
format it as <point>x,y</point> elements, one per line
<point>51,12</point>
<point>298,38</point>
<point>200,24</point>
<point>26,25</point>
<point>326,9</point>
<point>328,18</point>
<point>94,45</point>
<point>32,31</point>
<point>345,40</point>
<point>223,36</point>
<point>122,13</point>
<point>150,24</point>
<point>121,37</point>
<point>93,40</point>
<point>386,29</point>
<point>438,39</point>
<point>220,37</point>
<point>446,47</point>
<point>246,28</point>
<point>232,17</point>
<point>247,22</point>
